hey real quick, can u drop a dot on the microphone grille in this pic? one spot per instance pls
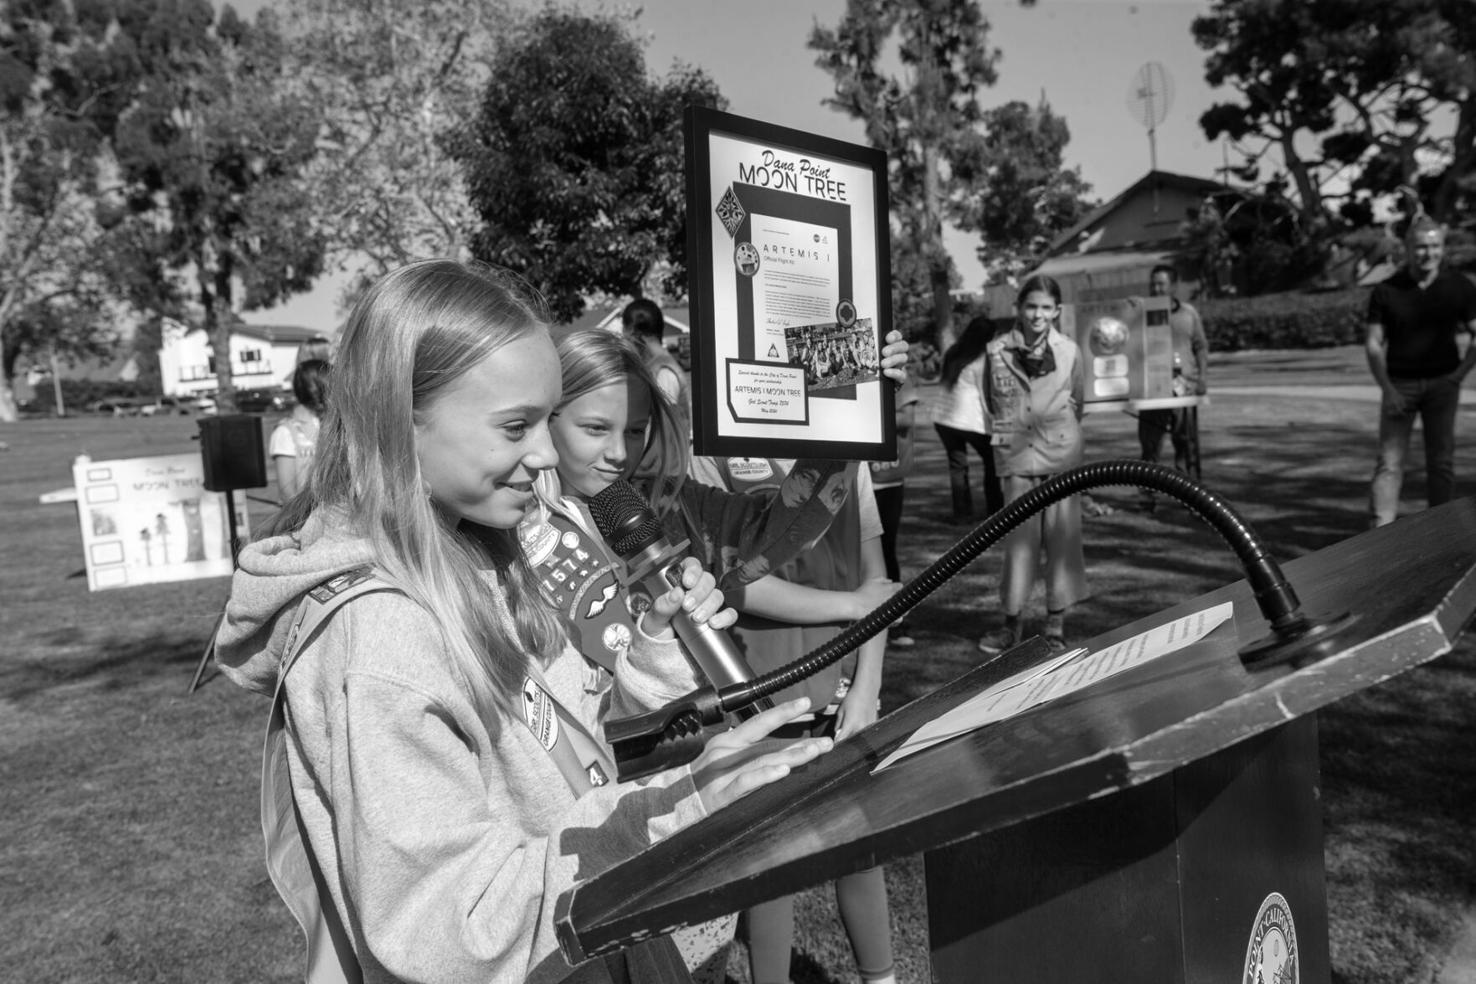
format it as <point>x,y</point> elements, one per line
<point>624,519</point>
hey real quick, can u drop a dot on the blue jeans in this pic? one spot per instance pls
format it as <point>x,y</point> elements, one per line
<point>1435,402</point>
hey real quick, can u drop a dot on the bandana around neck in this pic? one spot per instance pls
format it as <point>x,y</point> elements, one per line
<point>1036,360</point>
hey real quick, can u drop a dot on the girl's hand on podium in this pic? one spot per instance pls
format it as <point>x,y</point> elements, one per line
<point>733,764</point>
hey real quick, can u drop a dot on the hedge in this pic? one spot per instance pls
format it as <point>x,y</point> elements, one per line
<point>1290,320</point>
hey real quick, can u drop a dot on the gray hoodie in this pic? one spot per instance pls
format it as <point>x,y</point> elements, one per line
<point>444,841</point>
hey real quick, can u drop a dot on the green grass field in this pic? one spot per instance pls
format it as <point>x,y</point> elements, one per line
<point>129,845</point>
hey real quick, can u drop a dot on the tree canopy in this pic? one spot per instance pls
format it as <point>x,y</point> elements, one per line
<point>573,161</point>
<point>391,78</point>
<point>923,119</point>
<point>1017,191</point>
<point>65,80</point>
<point>212,152</point>
<point>1360,97</point>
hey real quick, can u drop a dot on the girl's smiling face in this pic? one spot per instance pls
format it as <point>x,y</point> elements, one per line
<point>486,437</point>
<point>1038,312</point>
<point>600,437</point>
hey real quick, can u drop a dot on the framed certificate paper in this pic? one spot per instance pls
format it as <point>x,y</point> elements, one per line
<point>790,276</point>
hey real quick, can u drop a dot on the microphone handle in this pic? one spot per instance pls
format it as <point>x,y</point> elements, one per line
<point>713,650</point>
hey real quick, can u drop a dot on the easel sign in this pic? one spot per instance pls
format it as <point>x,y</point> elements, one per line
<point>787,242</point>
<point>146,520</point>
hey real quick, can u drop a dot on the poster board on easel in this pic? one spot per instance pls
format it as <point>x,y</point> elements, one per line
<point>150,520</point>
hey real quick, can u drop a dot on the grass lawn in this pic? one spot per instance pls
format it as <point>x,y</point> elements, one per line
<point>129,846</point>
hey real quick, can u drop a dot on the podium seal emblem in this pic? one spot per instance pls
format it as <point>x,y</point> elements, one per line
<point>1271,955</point>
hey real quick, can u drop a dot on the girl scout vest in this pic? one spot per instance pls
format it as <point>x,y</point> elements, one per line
<point>833,562</point>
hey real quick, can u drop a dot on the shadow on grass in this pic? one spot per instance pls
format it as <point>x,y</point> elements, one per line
<point>115,665</point>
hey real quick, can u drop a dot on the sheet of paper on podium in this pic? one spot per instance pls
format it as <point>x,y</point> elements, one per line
<point>1059,676</point>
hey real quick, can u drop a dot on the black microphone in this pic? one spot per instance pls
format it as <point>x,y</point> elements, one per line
<point>632,530</point>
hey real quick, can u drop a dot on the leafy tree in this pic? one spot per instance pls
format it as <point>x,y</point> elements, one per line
<point>212,151</point>
<point>1018,192</point>
<point>923,118</point>
<point>1372,90</point>
<point>392,78</point>
<point>65,78</point>
<point>573,163</point>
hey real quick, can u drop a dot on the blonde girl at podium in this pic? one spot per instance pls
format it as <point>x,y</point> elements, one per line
<point>438,737</point>
<point>1033,395</point>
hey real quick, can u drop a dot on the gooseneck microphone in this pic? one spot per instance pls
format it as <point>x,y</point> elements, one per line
<point>654,564</point>
<point>673,735</point>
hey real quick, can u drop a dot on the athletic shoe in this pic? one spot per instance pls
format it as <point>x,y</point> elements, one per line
<point>997,641</point>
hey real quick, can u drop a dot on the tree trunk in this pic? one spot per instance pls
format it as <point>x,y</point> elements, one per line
<point>9,414</point>
<point>215,295</point>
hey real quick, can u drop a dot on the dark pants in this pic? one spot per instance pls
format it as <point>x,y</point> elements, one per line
<point>1434,402</point>
<point>889,508</point>
<point>1154,424</point>
<point>956,444</point>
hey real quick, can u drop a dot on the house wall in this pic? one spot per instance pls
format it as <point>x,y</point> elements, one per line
<point>184,362</point>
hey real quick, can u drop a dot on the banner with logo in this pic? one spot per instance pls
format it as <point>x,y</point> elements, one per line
<point>790,279</point>
<point>146,520</point>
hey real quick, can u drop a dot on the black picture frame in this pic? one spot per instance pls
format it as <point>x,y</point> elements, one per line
<point>804,381</point>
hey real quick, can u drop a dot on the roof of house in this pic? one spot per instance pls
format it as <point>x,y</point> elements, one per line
<point>285,334</point>
<point>1160,179</point>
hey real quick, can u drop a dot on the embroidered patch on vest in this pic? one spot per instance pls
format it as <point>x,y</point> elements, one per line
<point>538,711</point>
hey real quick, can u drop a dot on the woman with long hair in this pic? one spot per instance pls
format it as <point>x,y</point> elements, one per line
<point>294,440</point>
<point>961,422</point>
<point>1033,389</point>
<point>441,737</point>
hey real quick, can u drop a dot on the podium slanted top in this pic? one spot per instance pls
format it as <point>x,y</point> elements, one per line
<point>1411,587</point>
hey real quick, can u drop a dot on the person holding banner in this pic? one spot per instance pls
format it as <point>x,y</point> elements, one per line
<point>436,737</point>
<point>1033,391</point>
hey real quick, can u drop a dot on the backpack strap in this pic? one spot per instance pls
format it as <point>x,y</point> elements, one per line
<point>294,870</point>
<point>290,861</point>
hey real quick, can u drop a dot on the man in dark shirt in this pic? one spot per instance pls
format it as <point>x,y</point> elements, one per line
<point>1413,320</point>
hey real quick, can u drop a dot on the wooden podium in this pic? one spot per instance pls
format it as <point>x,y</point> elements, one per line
<point>1160,825</point>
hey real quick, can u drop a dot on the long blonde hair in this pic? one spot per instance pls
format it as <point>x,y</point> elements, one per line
<point>593,358</point>
<point>410,335</point>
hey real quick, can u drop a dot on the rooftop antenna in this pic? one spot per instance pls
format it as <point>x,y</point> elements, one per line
<point>1148,99</point>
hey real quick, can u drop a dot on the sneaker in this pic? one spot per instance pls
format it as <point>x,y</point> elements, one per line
<point>997,641</point>
<point>1056,644</point>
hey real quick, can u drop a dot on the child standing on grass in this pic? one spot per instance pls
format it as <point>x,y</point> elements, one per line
<point>1033,392</point>
<point>840,578</point>
<point>440,780</point>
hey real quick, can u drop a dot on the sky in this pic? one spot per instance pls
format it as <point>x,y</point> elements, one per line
<point>1082,54</point>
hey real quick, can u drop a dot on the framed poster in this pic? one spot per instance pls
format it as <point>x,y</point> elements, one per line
<point>790,281</point>
<point>146,520</point>
<point>1127,350</point>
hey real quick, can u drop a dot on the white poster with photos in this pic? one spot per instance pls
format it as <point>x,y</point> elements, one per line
<point>146,520</point>
<point>790,284</point>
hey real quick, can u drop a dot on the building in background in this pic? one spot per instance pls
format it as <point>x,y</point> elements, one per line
<point>262,357</point>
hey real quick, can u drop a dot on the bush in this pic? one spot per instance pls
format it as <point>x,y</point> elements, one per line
<point>1291,320</point>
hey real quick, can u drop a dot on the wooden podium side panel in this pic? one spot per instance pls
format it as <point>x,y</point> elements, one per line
<point>1086,894</point>
<point>1162,882</point>
<point>1251,824</point>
